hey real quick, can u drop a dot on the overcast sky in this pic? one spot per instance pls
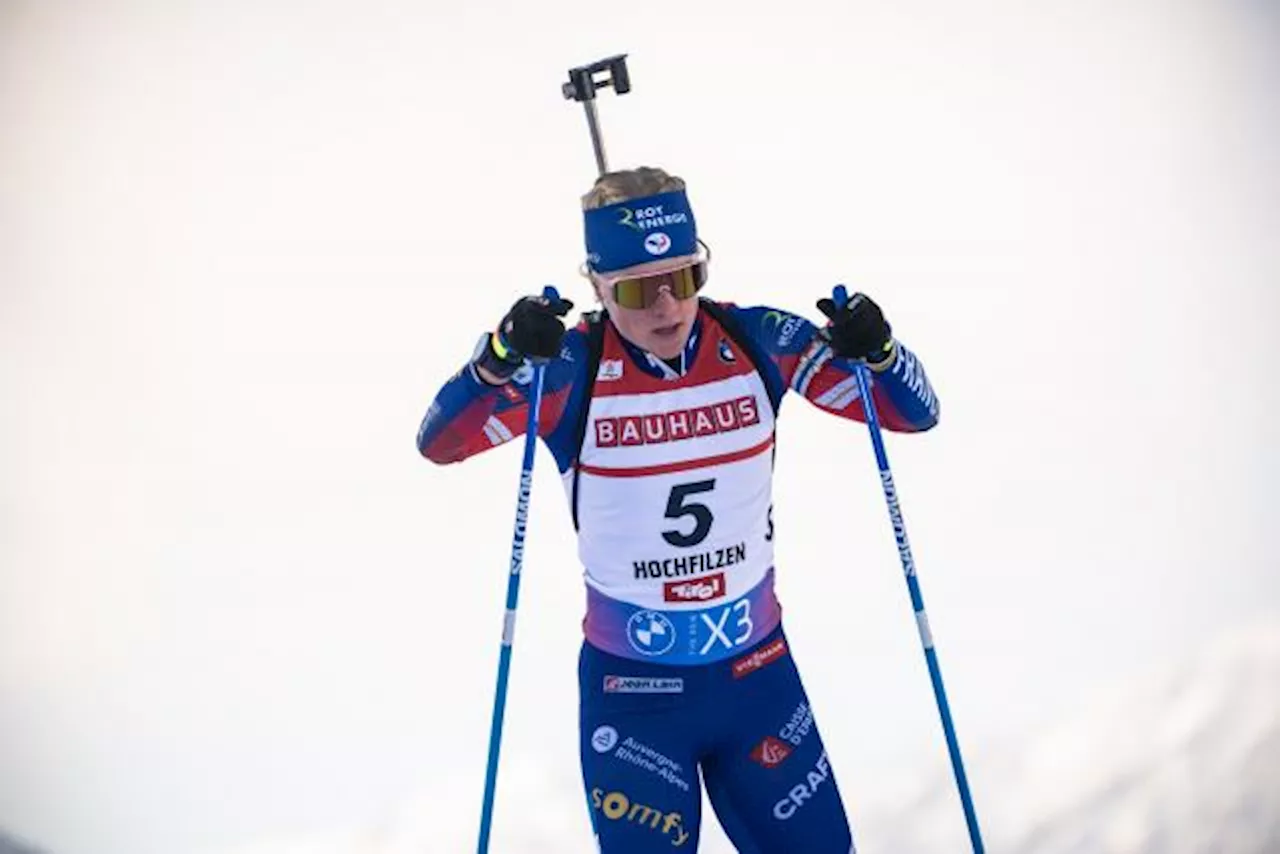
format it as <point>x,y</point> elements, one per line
<point>243,243</point>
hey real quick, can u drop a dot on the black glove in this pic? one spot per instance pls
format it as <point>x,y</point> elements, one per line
<point>858,329</point>
<point>531,329</point>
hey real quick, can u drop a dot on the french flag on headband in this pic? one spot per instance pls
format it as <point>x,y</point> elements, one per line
<point>640,230</point>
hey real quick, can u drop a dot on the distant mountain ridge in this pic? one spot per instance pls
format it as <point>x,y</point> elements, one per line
<point>10,845</point>
<point>1189,764</point>
<point>1198,768</point>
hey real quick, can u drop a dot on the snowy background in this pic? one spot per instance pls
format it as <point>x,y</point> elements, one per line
<point>243,242</point>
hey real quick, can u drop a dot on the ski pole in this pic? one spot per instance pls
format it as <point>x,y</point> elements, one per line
<point>840,297</point>
<point>513,594</point>
<point>582,87</point>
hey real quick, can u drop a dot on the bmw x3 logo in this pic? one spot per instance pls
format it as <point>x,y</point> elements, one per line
<point>650,633</point>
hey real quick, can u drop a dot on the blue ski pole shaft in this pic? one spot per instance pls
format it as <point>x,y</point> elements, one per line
<point>509,616</point>
<point>917,599</point>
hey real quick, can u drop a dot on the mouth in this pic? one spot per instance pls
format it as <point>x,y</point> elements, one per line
<point>667,331</point>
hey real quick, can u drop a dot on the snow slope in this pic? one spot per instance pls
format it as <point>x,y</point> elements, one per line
<point>9,845</point>
<point>1188,763</point>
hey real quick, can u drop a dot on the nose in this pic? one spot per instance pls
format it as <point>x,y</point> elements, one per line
<point>664,301</point>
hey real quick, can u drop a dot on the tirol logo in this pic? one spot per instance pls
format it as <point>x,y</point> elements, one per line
<point>770,753</point>
<point>754,660</point>
<point>610,369</point>
<point>604,738</point>
<point>657,243</point>
<point>650,633</point>
<point>695,589</point>
<point>723,417</point>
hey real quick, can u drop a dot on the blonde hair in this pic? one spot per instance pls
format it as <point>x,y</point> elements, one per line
<point>613,187</point>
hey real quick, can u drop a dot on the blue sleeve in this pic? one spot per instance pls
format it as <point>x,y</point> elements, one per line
<point>468,416</point>
<point>795,356</point>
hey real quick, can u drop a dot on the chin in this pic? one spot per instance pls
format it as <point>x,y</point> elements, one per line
<point>669,348</point>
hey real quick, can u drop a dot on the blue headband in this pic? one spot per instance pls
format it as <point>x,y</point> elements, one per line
<point>639,230</point>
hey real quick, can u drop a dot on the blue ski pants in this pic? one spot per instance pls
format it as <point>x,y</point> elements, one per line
<point>652,735</point>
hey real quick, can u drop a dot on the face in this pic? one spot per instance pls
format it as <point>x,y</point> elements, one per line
<point>663,327</point>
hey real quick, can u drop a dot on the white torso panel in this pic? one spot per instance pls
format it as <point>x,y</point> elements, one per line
<point>673,499</point>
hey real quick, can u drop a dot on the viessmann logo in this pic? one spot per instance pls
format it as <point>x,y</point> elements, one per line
<point>695,589</point>
<point>678,424</point>
<point>757,658</point>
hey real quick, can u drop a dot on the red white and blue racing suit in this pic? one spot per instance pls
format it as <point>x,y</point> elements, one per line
<point>684,666</point>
